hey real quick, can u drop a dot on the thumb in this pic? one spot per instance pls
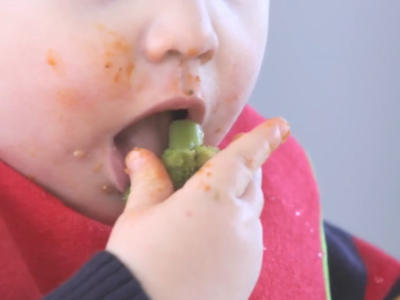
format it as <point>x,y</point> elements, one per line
<point>150,182</point>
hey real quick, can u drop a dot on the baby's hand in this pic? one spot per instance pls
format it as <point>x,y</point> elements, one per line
<point>203,241</point>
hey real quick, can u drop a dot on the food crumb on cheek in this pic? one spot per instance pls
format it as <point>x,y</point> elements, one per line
<point>51,59</point>
<point>207,188</point>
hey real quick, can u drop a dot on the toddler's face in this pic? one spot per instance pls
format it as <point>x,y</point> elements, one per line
<point>84,81</point>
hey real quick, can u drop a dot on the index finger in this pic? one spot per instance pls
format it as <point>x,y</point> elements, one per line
<point>236,165</point>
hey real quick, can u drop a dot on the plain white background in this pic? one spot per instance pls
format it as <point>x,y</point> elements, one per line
<point>332,69</point>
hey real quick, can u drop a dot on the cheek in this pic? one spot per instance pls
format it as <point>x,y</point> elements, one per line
<point>239,62</point>
<point>99,68</point>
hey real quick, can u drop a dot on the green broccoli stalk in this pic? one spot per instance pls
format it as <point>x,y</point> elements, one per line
<point>185,153</point>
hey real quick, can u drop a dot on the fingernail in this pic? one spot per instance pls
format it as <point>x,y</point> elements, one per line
<point>135,159</point>
<point>284,129</point>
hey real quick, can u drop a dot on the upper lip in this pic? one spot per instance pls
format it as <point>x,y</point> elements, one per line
<point>194,105</point>
<point>196,112</point>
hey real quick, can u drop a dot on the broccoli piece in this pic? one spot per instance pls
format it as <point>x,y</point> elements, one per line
<point>185,153</point>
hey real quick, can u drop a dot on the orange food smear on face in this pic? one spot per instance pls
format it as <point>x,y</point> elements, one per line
<point>67,98</point>
<point>192,52</point>
<point>206,57</point>
<point>51,60</point>
<point>117,55</point>
<point>197,79</point>
<point>190,77</point>
<point>207,188</point>
<point>120,45</point>
<point>129,69</point>
<point>189,92</point>
<point>218,130</point>
<point>208,174</point>
<point>175,85</point>
<point>117,76</point>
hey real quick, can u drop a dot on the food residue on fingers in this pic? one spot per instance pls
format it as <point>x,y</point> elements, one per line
<point>239,135</point>
<point>249,163</point>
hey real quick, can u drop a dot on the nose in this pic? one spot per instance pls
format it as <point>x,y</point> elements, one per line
<point>181,27</point>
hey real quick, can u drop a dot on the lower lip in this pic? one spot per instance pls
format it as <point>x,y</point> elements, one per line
<point>116,167</point>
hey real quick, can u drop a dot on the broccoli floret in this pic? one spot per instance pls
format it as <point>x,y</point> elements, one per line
<point>185,153</point>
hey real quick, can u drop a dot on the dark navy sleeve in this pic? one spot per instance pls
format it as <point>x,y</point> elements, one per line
<point>103,277</point>
<point>348,269</point>
<point>347,272</point>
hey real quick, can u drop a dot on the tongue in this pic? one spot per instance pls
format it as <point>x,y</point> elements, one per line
<point>150,133</point>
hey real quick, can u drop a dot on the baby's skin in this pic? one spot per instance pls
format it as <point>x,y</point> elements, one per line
<point>75,74</point>
<point>83,82</point>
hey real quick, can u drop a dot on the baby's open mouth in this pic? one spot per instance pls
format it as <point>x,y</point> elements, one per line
<point>151,133</point>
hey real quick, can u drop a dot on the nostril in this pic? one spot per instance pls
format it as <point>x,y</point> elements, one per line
<point>207,56</point>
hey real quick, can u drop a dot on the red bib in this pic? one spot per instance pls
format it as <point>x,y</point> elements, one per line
<point>44,242</point>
